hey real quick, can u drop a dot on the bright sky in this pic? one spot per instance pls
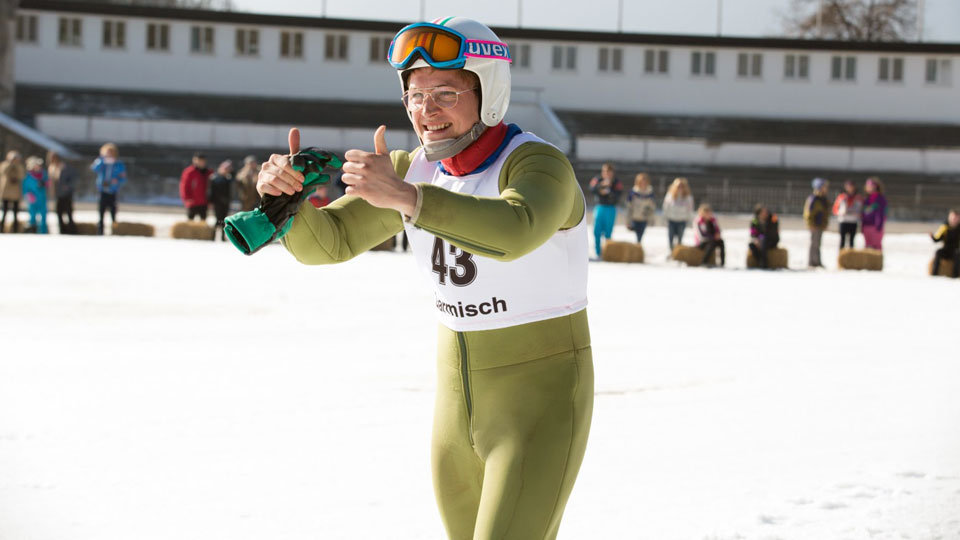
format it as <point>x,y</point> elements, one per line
<point>740,17</point>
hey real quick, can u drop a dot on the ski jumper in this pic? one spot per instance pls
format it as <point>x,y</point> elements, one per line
<point>505,250</point>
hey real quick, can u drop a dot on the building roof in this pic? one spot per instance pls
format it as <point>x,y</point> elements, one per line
<point>506,33</point>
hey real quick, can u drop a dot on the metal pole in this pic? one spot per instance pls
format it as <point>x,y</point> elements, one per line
<point>820,19</point>
<point>920,18</point>
<point>423,10</point>
<point>519,13</point>
<point>620,16</point>
<point>719,17</point>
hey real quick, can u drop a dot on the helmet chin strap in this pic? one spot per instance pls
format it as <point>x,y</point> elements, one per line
<point>447,148</point>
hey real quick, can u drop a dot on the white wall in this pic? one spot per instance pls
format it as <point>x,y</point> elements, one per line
<point>586,88</point>
<point>95,130</point>
<point>698,153</point>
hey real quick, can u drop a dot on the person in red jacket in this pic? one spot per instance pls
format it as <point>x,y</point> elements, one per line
<point>193,187</point>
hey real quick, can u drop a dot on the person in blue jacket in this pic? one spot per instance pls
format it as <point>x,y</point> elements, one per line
<point>606,190</point>
<point>35,192</point>
<point>111,174</point>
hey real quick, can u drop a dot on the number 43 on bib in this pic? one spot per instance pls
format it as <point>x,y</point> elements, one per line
<point>461,273</point>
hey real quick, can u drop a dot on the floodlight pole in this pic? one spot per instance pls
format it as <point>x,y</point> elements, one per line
<point>423,10</point>
<point>820,19</point>
<point>620,16</point>
<point>519,13</point>
<point>920,17</point>
<point>719,18</point>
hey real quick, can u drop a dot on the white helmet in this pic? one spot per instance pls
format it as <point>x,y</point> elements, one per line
<point>458,43</point>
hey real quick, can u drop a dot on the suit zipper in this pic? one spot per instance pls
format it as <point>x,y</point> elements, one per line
<point>465,379</point>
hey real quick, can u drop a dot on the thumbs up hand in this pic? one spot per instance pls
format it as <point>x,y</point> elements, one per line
<point>277,175</point>
<point>370,176</point>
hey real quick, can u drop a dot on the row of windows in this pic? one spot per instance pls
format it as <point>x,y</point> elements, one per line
<point>563,57</point>
<point>246,42</point>
<point>749,65</point>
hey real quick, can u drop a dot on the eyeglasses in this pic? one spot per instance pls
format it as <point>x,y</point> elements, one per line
<point>414,100</point>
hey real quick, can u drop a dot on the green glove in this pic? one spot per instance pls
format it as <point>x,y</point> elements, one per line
<point>250,231</point>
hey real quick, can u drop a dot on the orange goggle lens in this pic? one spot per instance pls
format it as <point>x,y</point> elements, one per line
<point>439,45</point>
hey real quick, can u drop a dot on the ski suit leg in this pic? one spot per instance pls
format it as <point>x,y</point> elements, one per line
<point>513,414</point>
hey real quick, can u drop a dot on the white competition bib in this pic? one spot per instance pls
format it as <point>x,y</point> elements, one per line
<point>474,292</point>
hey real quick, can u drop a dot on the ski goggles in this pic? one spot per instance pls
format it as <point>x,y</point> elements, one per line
<point>441,47</point>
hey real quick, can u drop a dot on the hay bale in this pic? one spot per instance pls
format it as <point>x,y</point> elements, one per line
<point>860,259</point>
<point>389,244</point>
<point>691,255</point>
<point>8,227</point>
<point>85,229</point>
<point>126,228</point>
<point>776,258</point>
<point>192,230</point>
<point>627,252</point>
<point>946,268</point>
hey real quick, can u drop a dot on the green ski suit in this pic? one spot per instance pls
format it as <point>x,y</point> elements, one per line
<point>514,404</point>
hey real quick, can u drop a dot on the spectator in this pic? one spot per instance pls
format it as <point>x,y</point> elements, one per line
<point>678,210</point>
<point>35,187</point>
<point>847,208</point>
<point>221,193</point>
<point>874,214</point>
<point>708,235</point>
<point>949,234</point>
<point>11,179</point>
<point>247,180</point>
<point>111,174</point>
<point>816,214</point>
<point>193,187</point>
<point>764,234</point>
<point>606,191</point>
<point>64,180</point>
<point>319,198</point>
<point>641,207</point>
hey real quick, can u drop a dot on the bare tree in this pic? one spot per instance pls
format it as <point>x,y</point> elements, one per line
<point>853,20</point>
<point>223,5</point>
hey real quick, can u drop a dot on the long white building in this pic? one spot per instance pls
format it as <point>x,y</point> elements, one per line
<point>88,72</point>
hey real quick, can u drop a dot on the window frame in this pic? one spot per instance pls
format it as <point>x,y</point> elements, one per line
<point>656,62</point>
<point>70,32</point>
<point>610,59</point>
<point>563,58</point>
<point>246,42</point>
<point>159,33</point>
<point>843,69</point>
<point>750,65</point>
<point>796,67</point>
<point>27,29</point>
<point>340,49</point>
<point>203,40</point>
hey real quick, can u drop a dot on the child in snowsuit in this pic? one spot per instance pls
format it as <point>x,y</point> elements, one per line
<point>764,234</point>
<point>641,207</point>
<point>847,208</point>
<point>708,234</point>
<point>606,191</point>
<point>35,192</point>
<point>874,214</point>
<point>816,213</point>
<point>949,234</point>
<point>677,210</point>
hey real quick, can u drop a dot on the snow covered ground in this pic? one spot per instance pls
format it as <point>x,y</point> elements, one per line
<point>164,389</point>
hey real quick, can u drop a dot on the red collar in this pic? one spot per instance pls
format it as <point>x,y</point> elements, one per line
<point>472,156</point>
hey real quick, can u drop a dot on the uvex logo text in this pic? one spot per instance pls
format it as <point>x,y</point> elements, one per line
<point>487,49</point>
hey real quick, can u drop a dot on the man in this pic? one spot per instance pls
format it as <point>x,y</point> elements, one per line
<point>193,187</point>
<point>12,173</point>
<point>949,234</point>
<point>816,214</point>
<point>111,175</point>
<point>606,191</point>
<point>247,178</point>
<point>764,234</point>
<point>496,222</point>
